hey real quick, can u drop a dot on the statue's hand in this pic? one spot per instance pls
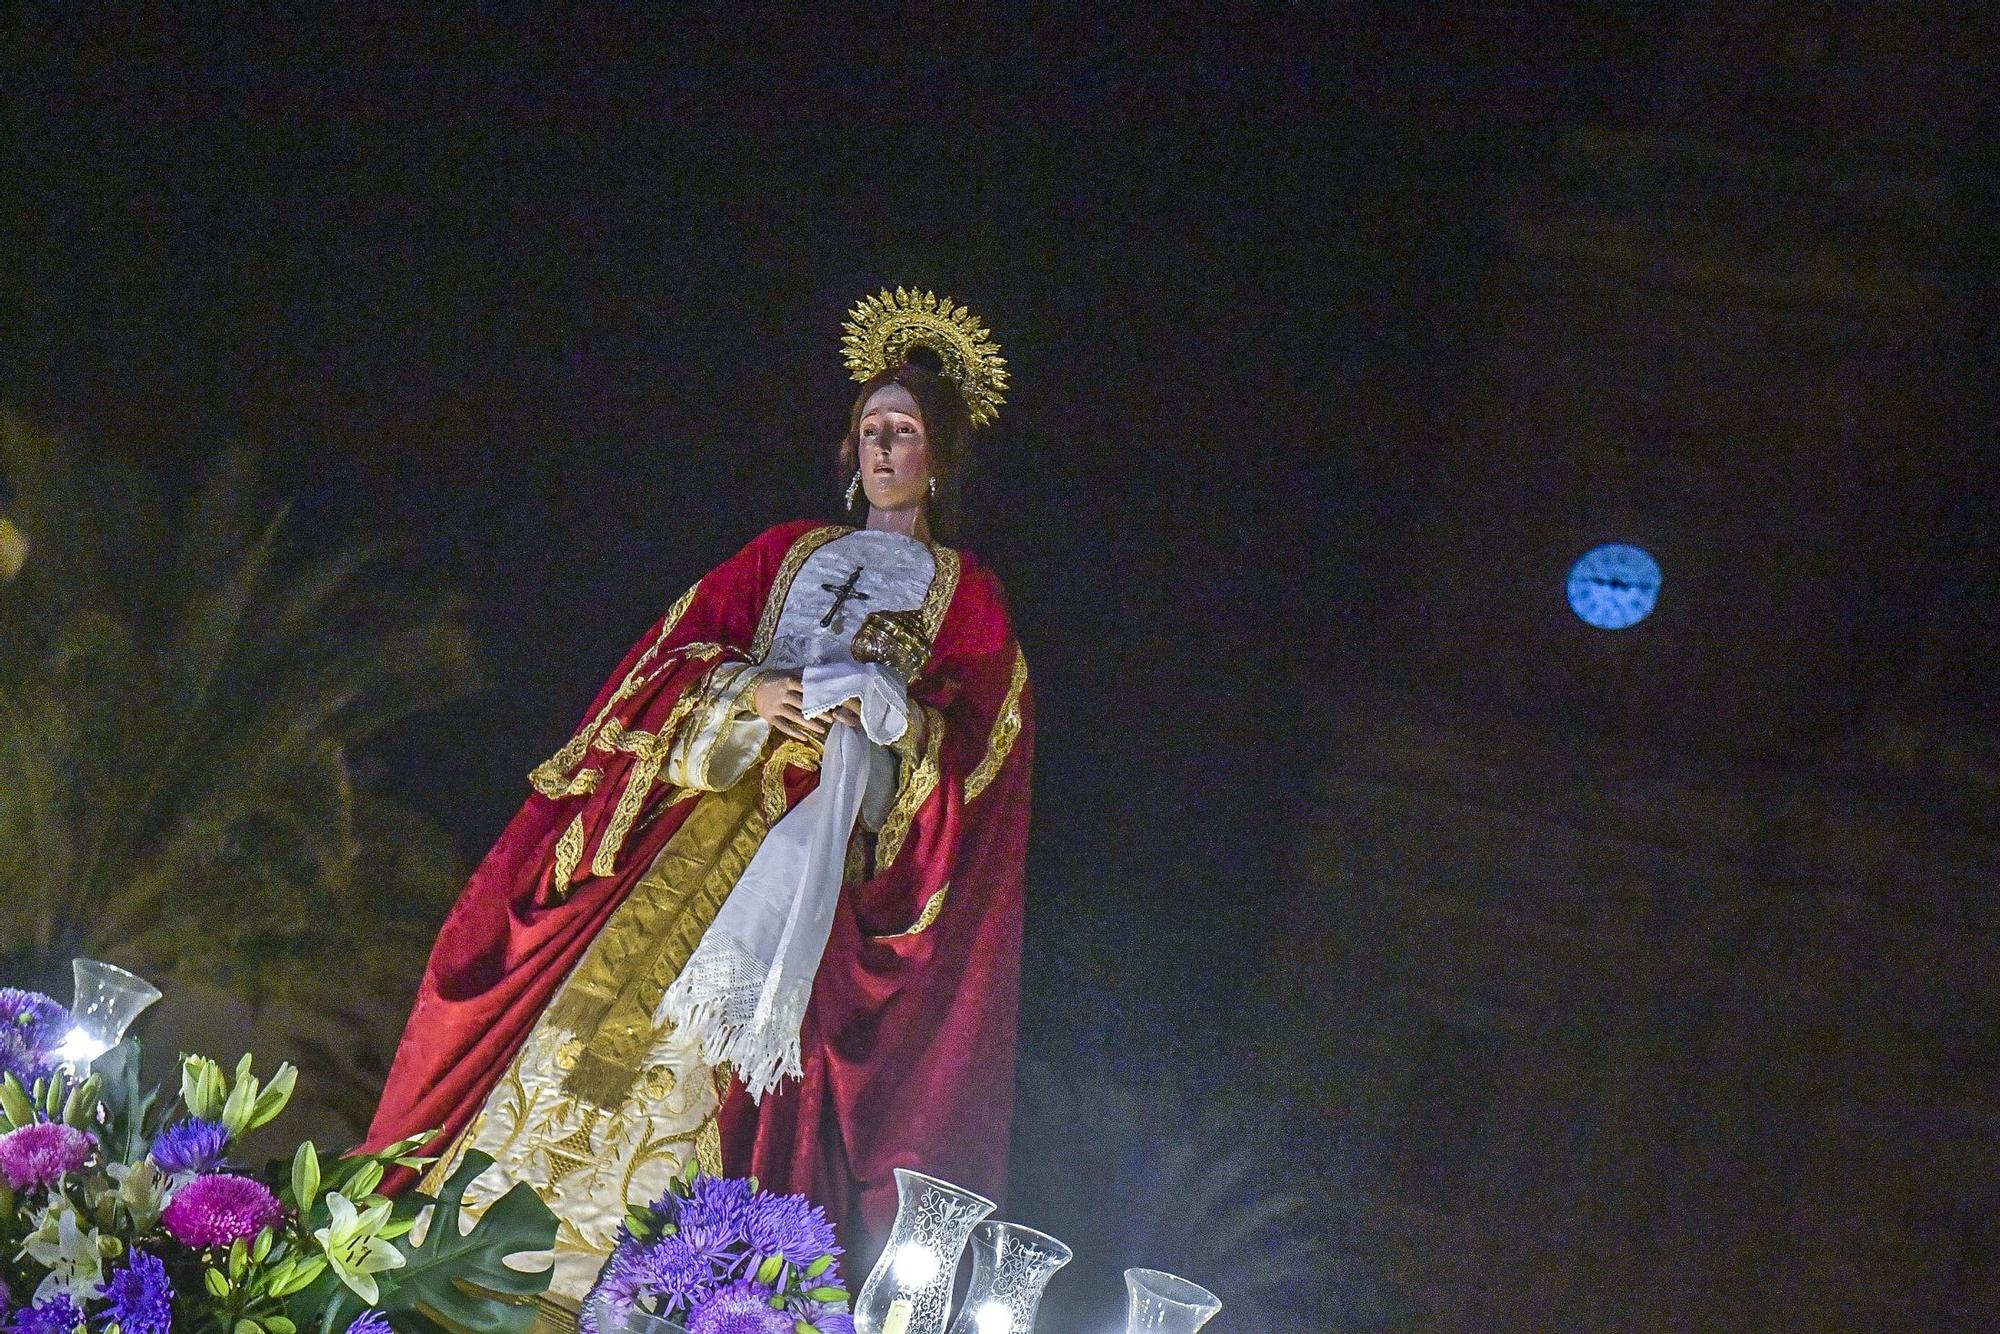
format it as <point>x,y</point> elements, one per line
<point>780,701</point>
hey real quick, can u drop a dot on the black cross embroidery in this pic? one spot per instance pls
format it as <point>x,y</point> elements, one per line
<point>841,594</point>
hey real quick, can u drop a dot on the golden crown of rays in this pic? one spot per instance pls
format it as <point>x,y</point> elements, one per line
<point>881,330</point>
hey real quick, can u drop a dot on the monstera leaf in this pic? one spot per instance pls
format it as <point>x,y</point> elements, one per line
<point>464,1279</point>
<point>127,1107</point>
<point>457,1282</point>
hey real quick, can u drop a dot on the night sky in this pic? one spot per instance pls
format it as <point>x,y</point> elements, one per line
<point>563,307</point>
<point>560,305</point>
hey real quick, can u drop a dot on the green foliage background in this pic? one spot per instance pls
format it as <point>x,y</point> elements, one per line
<point>181,696</point>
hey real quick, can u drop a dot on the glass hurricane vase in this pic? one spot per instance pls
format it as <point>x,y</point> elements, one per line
<point>107,1000</point>
<point>1011,1265</point>
<point>1161,1303</point>
<point>909,1290</point>
<point>611,1320</point>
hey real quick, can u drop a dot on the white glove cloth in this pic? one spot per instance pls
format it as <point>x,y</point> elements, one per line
<point>743,994</point>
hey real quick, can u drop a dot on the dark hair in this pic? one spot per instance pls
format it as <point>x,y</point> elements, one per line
<point>947,433</point>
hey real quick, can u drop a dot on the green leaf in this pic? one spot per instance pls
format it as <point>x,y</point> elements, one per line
<point>278,1324</point>
<point>820,1266</point>
<point>126,1105</point>
<point>767,1273</point>
<point>464,1281</point>
<point>217,1285</point>
<point>828,1294</point>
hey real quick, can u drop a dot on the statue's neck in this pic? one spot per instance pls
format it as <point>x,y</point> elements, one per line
<point>911,522</point>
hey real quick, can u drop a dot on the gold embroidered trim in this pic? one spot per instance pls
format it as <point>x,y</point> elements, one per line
<point>652,755</point>
<point>439,1172</point>
<point>569,855</point>
<point>917,788</point>
<point>1006,728</point>
<point>933,909</point>
<point>551,772</point>
<point>774,602</point>
<point>944,583</point>
<point>805,754</point>
<point>610,1001</point>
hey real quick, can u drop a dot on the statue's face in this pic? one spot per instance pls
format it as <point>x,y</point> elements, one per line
<point>894,455</point>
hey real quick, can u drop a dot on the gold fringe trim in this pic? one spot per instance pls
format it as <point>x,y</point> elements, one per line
<point>1006,729</point>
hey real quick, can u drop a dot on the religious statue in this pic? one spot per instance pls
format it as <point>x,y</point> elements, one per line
<point>764,907</point>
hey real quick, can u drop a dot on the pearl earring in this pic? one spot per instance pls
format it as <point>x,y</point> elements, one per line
<point>852,487</point>
<point>934,488</point>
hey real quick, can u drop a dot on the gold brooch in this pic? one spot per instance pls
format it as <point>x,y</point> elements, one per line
<point>880,331</point>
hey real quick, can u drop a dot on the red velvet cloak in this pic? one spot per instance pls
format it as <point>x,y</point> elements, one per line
<point>908,1044</point>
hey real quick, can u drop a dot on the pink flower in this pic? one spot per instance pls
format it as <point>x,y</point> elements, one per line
<point>217,1210</point>
<point>40,1154</point>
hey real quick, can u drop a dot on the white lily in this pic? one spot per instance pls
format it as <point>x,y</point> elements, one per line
<point>72,1255</point>
<point>143,1190</point>
<point>354,1248</point>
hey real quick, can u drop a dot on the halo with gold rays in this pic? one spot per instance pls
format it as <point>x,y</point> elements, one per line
<point>881,330</point>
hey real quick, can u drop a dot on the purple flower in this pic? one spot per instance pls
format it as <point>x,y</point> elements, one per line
<point>22,1059</point>
<point>825,1317</point>
<point>719,1201</point>
<point>740,1308</point>
<point>32,1028</point>
<point>666,1274</point>
<point>57,1315</point>
<point>193,1146</point>
<point>216,1210</point>
<point>790,1226</point>
<point>40,1154</point>
<point>142,1300</point>
<point>370,1322</point>
<point>713,1243</point>
<point>43,1021</point>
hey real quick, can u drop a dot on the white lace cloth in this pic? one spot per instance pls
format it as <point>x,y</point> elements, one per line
<point>742,996</point>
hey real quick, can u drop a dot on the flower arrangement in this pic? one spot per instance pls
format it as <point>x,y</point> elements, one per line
<point>722,1256</point>
<point>123,1215</point>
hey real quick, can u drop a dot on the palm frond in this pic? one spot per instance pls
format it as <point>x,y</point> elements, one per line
<point>180,694</point>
